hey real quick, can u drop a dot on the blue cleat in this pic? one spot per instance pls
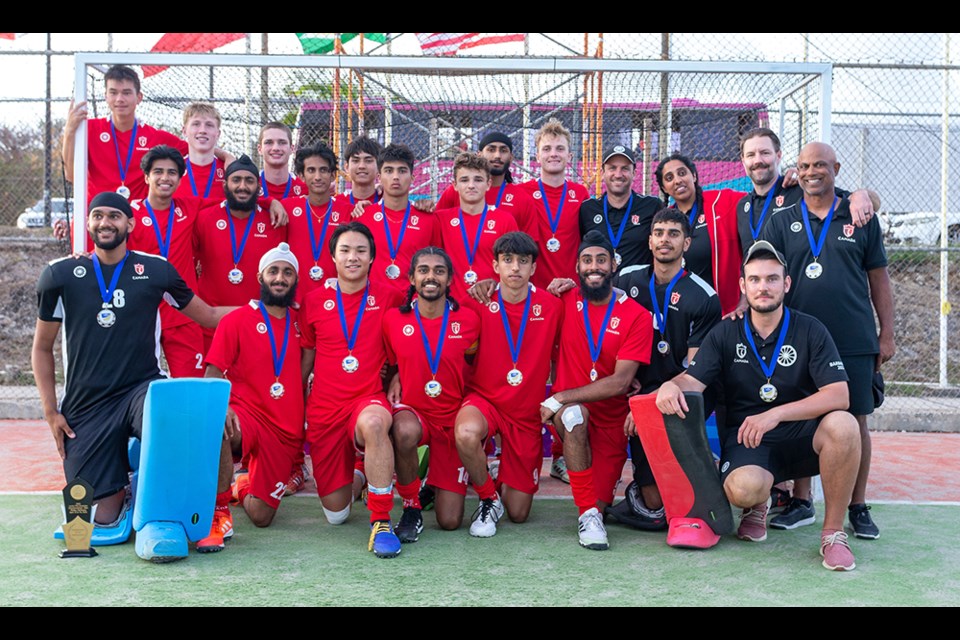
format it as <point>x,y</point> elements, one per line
<point>383,541</point>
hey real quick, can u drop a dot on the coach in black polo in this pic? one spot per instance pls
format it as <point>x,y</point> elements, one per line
<point>786,393</point>
<point>839,274</point>
<point>621,215</point>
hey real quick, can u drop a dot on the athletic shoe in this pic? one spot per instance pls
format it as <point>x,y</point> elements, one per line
<point>779,500</point>
<point>220,530</point>
<point>426,497</point>
<point>410,526</point>
<point>486,517</point>
<point>800,513</point>
<point>298,478</point>
<point>836,552</point>
<point>633,511</point>
<point>493,468</point>
<point>753,523</point>
<point>362,494</point>
<point>383,541</point>
<point>592,533</point>
<point>240,481</point>
<point>558,470</point>
<point>861,522</point>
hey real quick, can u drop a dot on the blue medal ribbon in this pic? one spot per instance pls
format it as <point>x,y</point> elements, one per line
<point>766,368</point>
<point>554,222</point>
<point>106,293</point>
<point>163,244</point>
<point>615,239</point>
<point>597,345</point>
<point>471,253</point>
<point>123,166</point>
<point>277,357</point>
<point>693,216</point>
<point>503,188</point>
<point>235,252</point>
<point>755,227</point>
<point>817,247</point>
<point>193,184</point>
<point>514,346</point>
<point>317,247</point>
<point>266,185</point>
<point>352,337</point>
<point>394,250</point>
<point>661,318</point>
<point>433,357</point>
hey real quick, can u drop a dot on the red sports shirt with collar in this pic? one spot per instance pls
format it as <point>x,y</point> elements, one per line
<point>422,231</point>
<point>298,236</point>
<point>201,176</point>
<point>497,223</point>
<point>561,263</point>
<point>515,199</point>
<point>279,191</point>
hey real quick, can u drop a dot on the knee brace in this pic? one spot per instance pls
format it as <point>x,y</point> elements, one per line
<point>337,517</point>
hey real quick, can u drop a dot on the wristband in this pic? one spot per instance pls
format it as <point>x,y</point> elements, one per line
<point>551,403</point>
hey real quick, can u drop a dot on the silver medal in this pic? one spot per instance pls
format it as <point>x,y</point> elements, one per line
<point>470,277</point>
<point>350,364</point>
<point>618,258</point>
<point>553,245</point>
<point>768,392</point>
<point>124,191</point>
<point>514,377</point>
<point>813,271</point>
<point>316,272</point>
<point>432,388</point>
<point>106,318</point>
<point>235,276</point>
<point>663,347</point>
<point>276,390</point>
<point>593,375</point>
<point>393,272</point>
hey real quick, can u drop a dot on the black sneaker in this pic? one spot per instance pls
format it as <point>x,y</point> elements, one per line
<point>799,513</point>
<point>426,497</point>
<point>861,522</point>
<point>779,500</point>
<point>633,511</point>
<point>410,526</point>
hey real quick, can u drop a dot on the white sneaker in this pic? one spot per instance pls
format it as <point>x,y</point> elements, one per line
<point>486,516</point>
<point>593,535</point>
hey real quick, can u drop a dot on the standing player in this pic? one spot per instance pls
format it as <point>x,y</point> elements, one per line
<point>786,394</point>
<point>604,339</point>
<point>684,309</point>
<point>275,146</point>
<point>228,238</point>
<point>107,304</point>
<point>257,347</point>
<point>621,214</point>
<point>470,228</point>
<point>347,410</point>
<point>360,158</point>
<point>429,338</point>
<point>520,330</point>
<point>838,270</point>
<point>204,173</point>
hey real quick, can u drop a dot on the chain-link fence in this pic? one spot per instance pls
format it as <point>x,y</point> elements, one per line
<point>893,100</point>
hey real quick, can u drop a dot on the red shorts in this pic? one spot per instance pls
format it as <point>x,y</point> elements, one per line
<point>183,349</point>
<point>521,446</point>
<point>446,470</point>
<point>267,456</point>
<point>333,446</point>
<point>608,448</point>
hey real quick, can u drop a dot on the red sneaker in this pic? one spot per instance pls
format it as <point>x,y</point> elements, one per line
<point>296,482</point>
<point>242,481</point>
<point>220,530</point>
<point>836,552</point>
<point>753,523</point>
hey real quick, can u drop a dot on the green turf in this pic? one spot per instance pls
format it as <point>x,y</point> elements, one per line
<point>301,560</point>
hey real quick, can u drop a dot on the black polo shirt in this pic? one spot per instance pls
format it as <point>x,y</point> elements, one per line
<point>104,362</point>
<point>783,198</point>
<point>699,257</point>
<point>840,297</point>
<point>808,361</point>
<point>634,246</point>
<point>694,309</point>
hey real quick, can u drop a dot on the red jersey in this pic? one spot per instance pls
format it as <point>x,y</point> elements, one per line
<point>294,187</point>
<point>421,231</point>
<point>521,403</point>
<point>561,263</point>
<point>214,251</point>
<point>334,388</point>
<point>241,349</point>
<point>103,148</point>
<point>512,198</point>
<point>628,336</point>
<point>405,348</point>
<point>196,181</point>
<point>148,234</point>
<point>496,223</point>
<point>298,235</point>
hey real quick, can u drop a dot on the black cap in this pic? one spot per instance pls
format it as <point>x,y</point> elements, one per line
<point>496,136</point>
<point>112,200</point>
<point>594,238</point>
<point>619,150</point>
<point>764,249</point>
<point>243,163</point>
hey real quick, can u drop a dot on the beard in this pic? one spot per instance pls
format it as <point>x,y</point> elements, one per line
<point>269,298</point>
<point>119,238</point>
<point>237,204</point>
<point>499,171</point>
<point>440,293</point>
<point>598,293</point>
<point>766,307</point>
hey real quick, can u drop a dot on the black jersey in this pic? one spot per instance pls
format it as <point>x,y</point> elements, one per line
<point>692,310</point>
<point>840,296</point>
<point>634,244</point>
<point>100,361</point>
<point>751,218</point>
<point>807,361</point>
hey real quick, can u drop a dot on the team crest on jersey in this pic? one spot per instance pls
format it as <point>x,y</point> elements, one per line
<point>597,219</point>
<point>634,292</point>
<point>536,195</point>
<point>741,350</point>
<point>329,305</point>
<point>779,200</point>
<point>579,305</point>
<point>635,219</point>
<point>508,197</point>
<point>79,272</point>
<point>147,222</point>
<point>221,224</point>
<point>796,227</point>
<point>614,322</point>
<point>142,140</point>
<point>261,327</point>
<point>701,219</point>
<point>537,309</point>
<point>848,230</point>
<point>788,355</point>
<point>297,211</point>
<point>371,301</point>
<point>104,137</point>
<point>572,194</point>
<point>454,222</point>
<point>179,212</point>
<point>335,216</point>
<point>455,327</point>
<point>491,224</point>
<point>220,173</point>
<point>414,221</point>
<point>138,268</point>
<point>746,207</point>
<point>494,307</point>
<point>674,298</point>
<point>296,189</point>
<point>408,330</point>
<point>377,217</point>
<point>261,227</point>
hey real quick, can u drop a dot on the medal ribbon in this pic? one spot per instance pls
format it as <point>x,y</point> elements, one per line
<point>277,358</point>
<point>164,245</point>
<point>615,240</point>
<point>121,166</point>
<point>238,253</point>
<point>352,338</point>
<point>818,247</point>
<point>661,318</point>
<point>317,247</point>
<point>193,184</point>
<point>766,368</point>
<point>266,185</point>
<point>514,346</point>
<point>755,228</point>
<point>106,293</point>
<point>433,358</point>
<point>597,345</point>
<point>503,188</point>
<point>394,250</point>
<point>693,216</point>
<point>471,254</point>
<point>554,222</point>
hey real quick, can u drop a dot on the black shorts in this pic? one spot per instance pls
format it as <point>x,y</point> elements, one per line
<point>860,371</point>
<point>99,452</point>
<point>786,451</point>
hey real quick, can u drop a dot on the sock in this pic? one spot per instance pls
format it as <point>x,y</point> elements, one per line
<point>223,500</point>
<point>485,490</point>
<point>379,502</point>
<point>410,494</point>
<point>581,484</point>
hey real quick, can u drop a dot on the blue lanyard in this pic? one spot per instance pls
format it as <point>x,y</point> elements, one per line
<point>106,293</point>
<point>514,346</point>
<point>352,337</point>
<point>661,318</point>
<point>597,345</point>
<point>277,357</point>
<point>766,368</point>
<point>266,185</point>
<point>554,222</point>
<point>693,216</point>
<point>317,247</point>
<point>817,247</point>
<point>394,250</point>
<point>433,357</point>
<point>471,253</point>
<point>237,254</point>
<point>121,166</point>
<point>503,188</point>
<point>615,240</point>
<point>755,228</point>
<point>164,245</point>
<point>193,184</point>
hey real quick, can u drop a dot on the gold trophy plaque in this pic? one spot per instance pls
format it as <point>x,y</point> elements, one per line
<point>78,529</point>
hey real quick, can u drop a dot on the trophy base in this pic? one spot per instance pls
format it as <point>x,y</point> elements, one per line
<point>75,553</point>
